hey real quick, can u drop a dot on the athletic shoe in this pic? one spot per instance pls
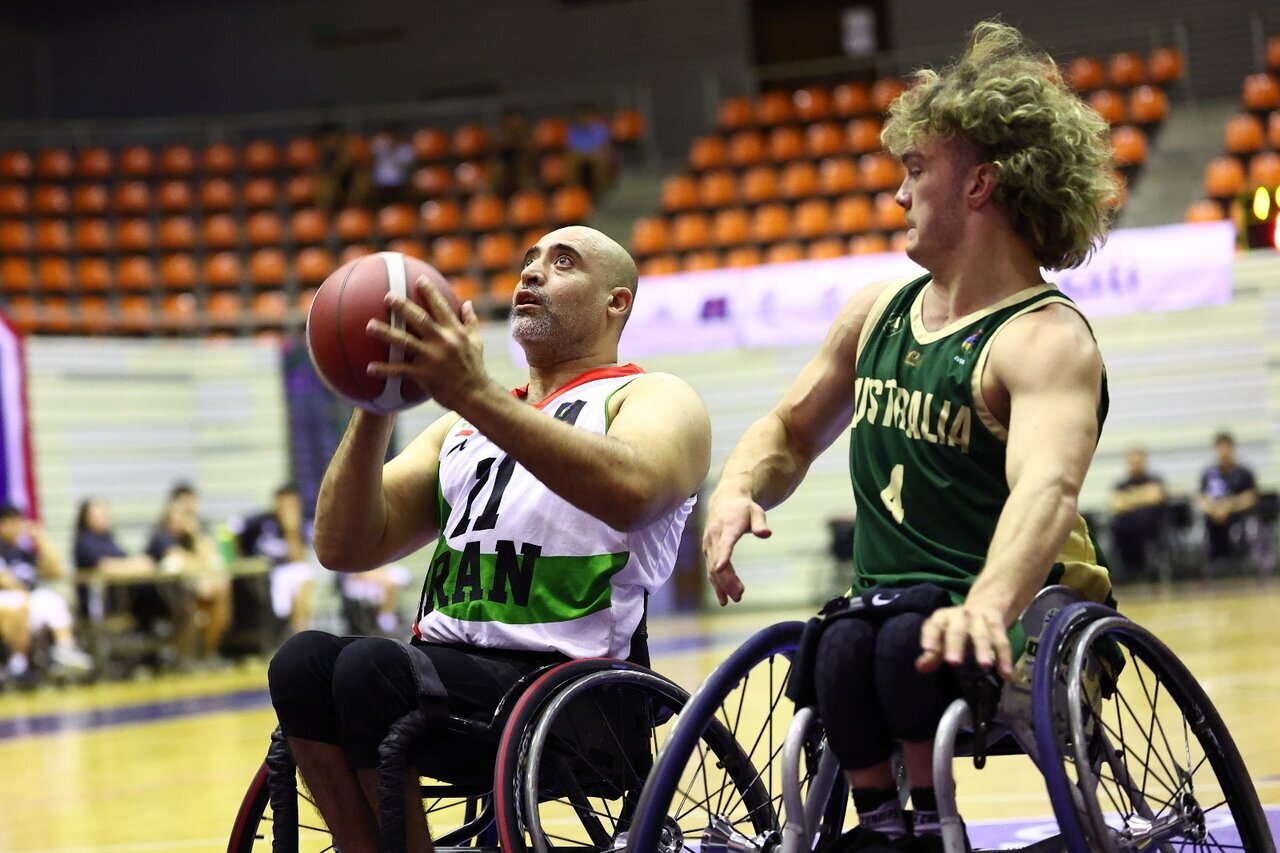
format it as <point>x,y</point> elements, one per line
<point>71,658</point>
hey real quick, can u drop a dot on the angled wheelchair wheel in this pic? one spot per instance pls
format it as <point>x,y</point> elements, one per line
<point>1134,754</point>
<point>693,800</point>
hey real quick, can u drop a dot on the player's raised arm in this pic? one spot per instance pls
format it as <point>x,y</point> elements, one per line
<point>776,451</point>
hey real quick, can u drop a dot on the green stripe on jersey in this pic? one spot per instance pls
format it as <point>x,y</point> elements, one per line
<point>518,588</point>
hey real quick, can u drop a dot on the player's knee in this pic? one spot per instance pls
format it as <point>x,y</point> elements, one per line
<point>373,671</point>
<point>912,701</point>
<point>299,666</point>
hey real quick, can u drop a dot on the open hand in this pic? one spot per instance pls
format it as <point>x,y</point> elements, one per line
<point>728,520</point>
<point>951,631</point>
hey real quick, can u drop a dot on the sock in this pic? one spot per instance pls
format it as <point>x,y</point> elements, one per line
<point>17,663</point>
<point>880,811</point>
<point>924,816</point>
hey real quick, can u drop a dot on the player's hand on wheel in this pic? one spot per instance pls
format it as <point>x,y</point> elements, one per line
<point>728,520</point>
<point>950,632</point>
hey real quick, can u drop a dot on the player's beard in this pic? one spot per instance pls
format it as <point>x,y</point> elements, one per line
<point>538,328</point>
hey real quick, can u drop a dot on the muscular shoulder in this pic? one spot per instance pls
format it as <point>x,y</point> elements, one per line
<point>664,388</point>
<point>1043,347</point>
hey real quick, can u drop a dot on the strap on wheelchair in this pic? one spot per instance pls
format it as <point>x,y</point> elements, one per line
<point>433,698</point>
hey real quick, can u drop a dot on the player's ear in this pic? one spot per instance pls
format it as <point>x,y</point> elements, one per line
<point>982,184</point>
<point>620,300</point>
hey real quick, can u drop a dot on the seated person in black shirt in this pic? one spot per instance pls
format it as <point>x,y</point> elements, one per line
<point>1136,506</point>
<point>280,536</point>
<point>26,559</point>
<point>1228,492</point>
<point>96,550</point>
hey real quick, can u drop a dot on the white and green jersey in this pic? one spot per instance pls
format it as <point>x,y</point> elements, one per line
<point>519,567</point>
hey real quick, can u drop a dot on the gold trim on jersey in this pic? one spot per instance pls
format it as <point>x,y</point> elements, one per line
<point>877,311</point>
<point>925,336</point>
<point>1080,567</point>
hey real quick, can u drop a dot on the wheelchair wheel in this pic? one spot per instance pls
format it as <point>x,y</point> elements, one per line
<point>685,787</point>
<point>1134,754</point>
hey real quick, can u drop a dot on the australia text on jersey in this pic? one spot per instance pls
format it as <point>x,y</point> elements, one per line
<point>918,415</point>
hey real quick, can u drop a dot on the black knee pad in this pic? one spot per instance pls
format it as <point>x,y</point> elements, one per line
<point>373,686</point>
<point>912,702</point>
<point>300,679</point>
<point>844,680</point>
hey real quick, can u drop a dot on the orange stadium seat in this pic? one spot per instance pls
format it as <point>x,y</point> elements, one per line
<point>52,200</point>
<point>742,256</point>
<point>852,214</point>
<point>811,219</point>
<point>430,144</point>
<point>178,272</point>
<point>302,154</point>
<point>502,286</point>
<point>431,181</point>
<point>220,231</point>
<point>308,226</point>
<point>450,255</point>
<point>219,159</point>
<point>94,163</point>
<point>485,213</point>
<point>313,265</point>
<point>1126,70</point>
<point>1128,146</point>
<point>785,143</point>
<point>527,209</point>
<point>1264,170</point>
<point>471,177</point>
<point>496,251</point>
<point>1273,130</point>
<point>878,172</point>
<point>174,197</point>
<point>1148,105</point>
<point>770,223</point>
<point>851,99</point>
<point>408,246</point>
<point>217,194</point>
<point>89,199</point>
<point>746,148</point>
<point>649,236</point>
<point>132,197</point>
<point>885,92</point>
<point>1164,66</point>
<point>353,251</point>
<point>93,315</point>
<point>135,272</point>
<point>178,312</point>
<point>222,269</point>
<point>731,227</point>
<point>270,309</point>
<point>133,235</point>
<point>717,189</point>
<point>54,164</point>
<point>690,231</point>
<point>93,275</point>
<point>773,108</point>
<point>868,244</point>
<point>176,232</point>
<point>1244,134</point>
<point>353,224</point>
<point>261,155</point>
<point>260,192</point>
<point>823,140</point>
<point>92,236</point>
<point>305,298</point>
<point>888,215</point>
<point>15,274</point>
<point>16,166</point>
<point>530,237</point>
<point>469,141</point>
<point>627,126</point>
<point>1261,92</point>
<point>136,161</point>
<point>178,161</point>
<point>135,314</point>
<point>55,317</point>
<point>549,134</point>
<point>441,217</point>
<point>799,180</point>
<point>300,190</point>
<point>264,228</point>
<point>862,135</point>
<point>812,103</point>
<point>1204,210</point>
<point>465,287</point>
<point>14,200</point>
<point>1111,105</point>
<point>223,309</point>
<point>21,311</point>
<point>837,176</point>
<point>735,114</point>
<point>570,205</point>
<point>679,192</point>
<point>267,267</point>
<point>15,236</point>
<point>1223,178</point>
<point>1085,73</point>
<point>660,265</point>
<point>702,261</point>
<point>708,152</point>
<point>828,247</point>
<point>53,235</point>
<point>395,220</point>
<point>759,184</point>
<point>784,253</point>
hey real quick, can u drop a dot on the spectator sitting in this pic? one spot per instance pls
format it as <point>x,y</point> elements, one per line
<point>1228,492</point>
<point>1136,505</point>
<point>339,181</point>
<point>26,558</point>
<point>281,537</point>
<point>393,159</point>
<point>369,599</point>
<point>15,626</point>
<point>513,167</point>
<point>179,544</point>
<point>589,151</point>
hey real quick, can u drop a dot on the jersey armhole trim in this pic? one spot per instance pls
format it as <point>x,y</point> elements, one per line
<point>608,419</point>
<point>876,313</point>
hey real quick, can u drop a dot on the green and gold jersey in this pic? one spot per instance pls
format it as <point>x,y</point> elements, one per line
<point>927,458</point>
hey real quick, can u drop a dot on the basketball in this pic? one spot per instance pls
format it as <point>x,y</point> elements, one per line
<point>340,346</point>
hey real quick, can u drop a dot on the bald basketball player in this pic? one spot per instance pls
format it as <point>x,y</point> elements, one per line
<point>593,463</point>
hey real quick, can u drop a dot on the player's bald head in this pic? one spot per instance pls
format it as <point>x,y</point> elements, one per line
<point>613,265</point>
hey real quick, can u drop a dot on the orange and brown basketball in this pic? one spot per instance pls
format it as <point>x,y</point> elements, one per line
<point>337,338</point>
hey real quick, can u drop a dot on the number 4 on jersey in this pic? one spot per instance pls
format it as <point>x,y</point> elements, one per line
<point>891,495</point>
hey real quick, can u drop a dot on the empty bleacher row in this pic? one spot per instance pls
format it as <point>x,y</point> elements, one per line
<point>185,239</point>
<point>801,174</point>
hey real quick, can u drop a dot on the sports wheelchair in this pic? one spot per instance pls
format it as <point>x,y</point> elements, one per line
<point>1132,752</point>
